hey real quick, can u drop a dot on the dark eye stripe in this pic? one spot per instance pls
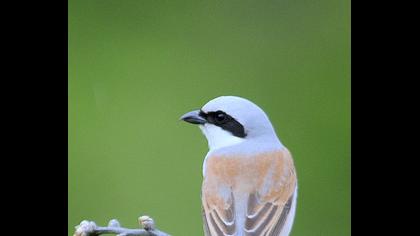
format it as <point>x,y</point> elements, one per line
<point>203,114</point>
<point>228,123</point>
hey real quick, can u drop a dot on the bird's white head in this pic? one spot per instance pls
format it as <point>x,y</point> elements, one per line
<point>230,120</point>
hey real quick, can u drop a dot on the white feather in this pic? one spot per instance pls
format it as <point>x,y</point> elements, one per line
<point>217,137</point>
<point>290,218</point>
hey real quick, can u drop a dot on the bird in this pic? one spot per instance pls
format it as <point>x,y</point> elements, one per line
<point>249,183</point>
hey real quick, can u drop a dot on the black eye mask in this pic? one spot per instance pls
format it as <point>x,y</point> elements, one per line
<point>224,121</point>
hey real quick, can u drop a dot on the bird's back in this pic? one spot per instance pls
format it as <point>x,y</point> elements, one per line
<point>249,195</point>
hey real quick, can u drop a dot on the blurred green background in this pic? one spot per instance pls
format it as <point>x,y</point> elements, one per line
<point>136,66</point>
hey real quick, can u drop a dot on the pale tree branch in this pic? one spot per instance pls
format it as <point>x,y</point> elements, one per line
<point>89,228</point>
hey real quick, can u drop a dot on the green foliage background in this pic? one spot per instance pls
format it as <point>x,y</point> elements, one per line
<point>136,66</point>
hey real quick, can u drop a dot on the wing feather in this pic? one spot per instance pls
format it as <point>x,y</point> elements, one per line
<point>268,211</point>
<point>219,220</point>
<point>269,184</point>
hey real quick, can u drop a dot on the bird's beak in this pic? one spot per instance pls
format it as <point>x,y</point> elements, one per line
<point>193,117</point>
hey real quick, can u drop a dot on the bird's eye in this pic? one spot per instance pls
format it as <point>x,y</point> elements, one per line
<point>220,117</point>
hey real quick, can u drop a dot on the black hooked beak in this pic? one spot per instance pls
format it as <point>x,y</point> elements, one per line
<point>194,117</point>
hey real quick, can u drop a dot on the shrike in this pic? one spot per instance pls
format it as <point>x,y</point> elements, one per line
<point>250,184</point>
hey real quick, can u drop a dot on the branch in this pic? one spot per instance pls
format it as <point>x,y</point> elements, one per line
<point>89,228</point>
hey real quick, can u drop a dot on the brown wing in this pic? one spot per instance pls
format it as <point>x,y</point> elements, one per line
<point>267,212</point>
<point>269,180</point>
<point>269,219</point>
<point>219,220</point>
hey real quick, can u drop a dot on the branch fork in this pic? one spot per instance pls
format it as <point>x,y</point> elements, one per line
<point>147,224</point>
